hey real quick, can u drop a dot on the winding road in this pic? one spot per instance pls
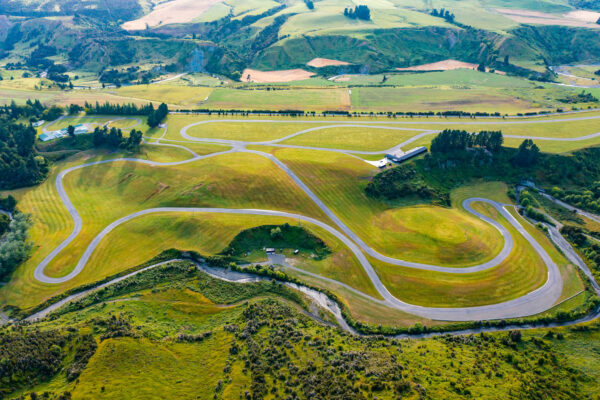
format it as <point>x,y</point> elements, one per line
<point>534,302</point>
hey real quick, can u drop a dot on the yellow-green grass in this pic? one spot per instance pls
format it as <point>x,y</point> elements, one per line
<point>126,123</point>
<point>522,272</point>
<point>572,282</point>
<point>436,99</point>
<point>162,153</point>
<point>197,147</point>
<point>141,369</point>
<point>297,99</point>
<point>352,138</point>
<point>551,146</point>
<point>136,241</point>
<point>364,309</point>
<point>244,131</point>
<point>104,193</point>
<point>187,96</point>
<point>420,233</point>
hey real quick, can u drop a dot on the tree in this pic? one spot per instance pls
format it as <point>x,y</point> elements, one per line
<point>276,233</point>
<point>71,130</point>
<point>506,60</point>
<point>155,118</point>
<point>527,154</point>
<point>481,67</point>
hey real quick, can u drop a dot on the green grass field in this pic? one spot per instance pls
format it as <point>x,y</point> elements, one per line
<point>176,95</point>
<point>339,180</point>
<point>297,99</point>
<point>352,138</point>
<point>107,192</point>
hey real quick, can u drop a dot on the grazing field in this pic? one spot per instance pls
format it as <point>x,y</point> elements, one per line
<point>244,131</point>
<point>435,99</point>
<point>177,95</point>
<point>445,65</point>
<point>296,99</point>
<point>580,19</point>
<point>325,62</point>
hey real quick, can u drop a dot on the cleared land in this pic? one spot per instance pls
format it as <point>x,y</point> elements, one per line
<point>444,65</point>
<point>289,75</point>
<point>171,12</point>
<point>325,62</point>
<point>576,19</point>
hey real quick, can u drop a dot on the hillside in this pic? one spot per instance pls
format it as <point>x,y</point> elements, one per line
<point>189,335</point>
<point>227,37</point>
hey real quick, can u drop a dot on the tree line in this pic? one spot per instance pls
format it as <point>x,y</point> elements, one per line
<point>113,137</point>
<point>20,165</point>
<point>118,109</point>
<point>442,13</point>
<point>449,141</point>
<point>359,12</point>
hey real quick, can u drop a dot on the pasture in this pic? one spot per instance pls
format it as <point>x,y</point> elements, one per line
<point>411,230</point>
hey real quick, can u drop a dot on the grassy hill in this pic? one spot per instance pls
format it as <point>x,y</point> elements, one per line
<point>226,37</point>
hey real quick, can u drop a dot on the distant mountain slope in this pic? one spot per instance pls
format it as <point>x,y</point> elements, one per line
<point>226,37</point>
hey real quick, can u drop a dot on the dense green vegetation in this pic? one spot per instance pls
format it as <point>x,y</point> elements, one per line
<point>155,117</point>
<point>14,246</point>
<point>113,137</point>
<point>117,109</point>
<point>271,350</point>
<point>588,246</point>
<point>457,158</point>
<point>404,181</point>
<point>284,236</point>
<point>19,163</point>
<point>585,198</point>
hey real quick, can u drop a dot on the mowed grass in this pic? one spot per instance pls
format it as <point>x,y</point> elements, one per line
<point>244,130</point>
<point>187,96</point>
<point>296,99</point>
<point>352,138</point>
<point>420,233</point>
<point>126,123</point>
<point>134,242</point>
<point>104,193</point>
<point>522,272</point>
